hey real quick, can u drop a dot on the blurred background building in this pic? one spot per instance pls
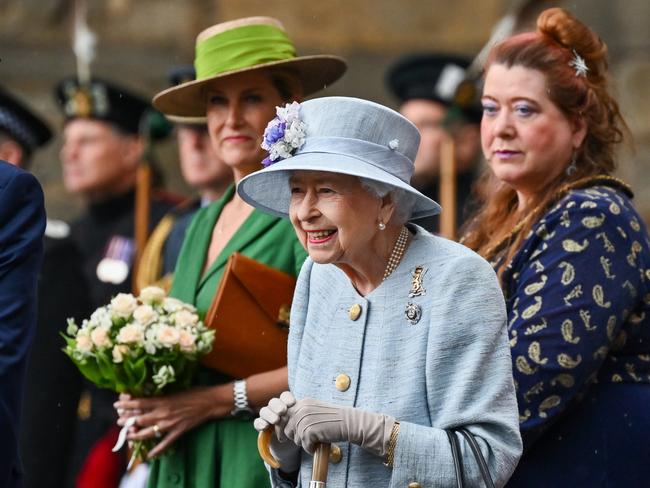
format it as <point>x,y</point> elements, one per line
<point>139,40</point>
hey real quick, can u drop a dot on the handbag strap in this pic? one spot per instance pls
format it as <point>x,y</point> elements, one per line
<point>456,457</point>
<point>478,455</point>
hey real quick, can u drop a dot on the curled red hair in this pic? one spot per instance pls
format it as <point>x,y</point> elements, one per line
<point>551,50</point>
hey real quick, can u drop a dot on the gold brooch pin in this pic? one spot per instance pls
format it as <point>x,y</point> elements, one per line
<point>416,282</point>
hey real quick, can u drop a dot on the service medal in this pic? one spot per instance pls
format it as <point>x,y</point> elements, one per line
<point>112,271</point>
<point>114,266</point>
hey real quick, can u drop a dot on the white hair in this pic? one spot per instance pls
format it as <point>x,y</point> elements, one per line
<point>404,201</point>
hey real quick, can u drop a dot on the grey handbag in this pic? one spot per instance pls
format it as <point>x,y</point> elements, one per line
<point>458,458</point>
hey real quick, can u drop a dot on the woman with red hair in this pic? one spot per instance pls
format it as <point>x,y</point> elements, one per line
<point>573,257</point>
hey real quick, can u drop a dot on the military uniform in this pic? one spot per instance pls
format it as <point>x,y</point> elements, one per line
<point>104,236</point>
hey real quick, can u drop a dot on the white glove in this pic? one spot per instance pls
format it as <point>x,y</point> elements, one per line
<point>312,421</point>
<point>283,449</point>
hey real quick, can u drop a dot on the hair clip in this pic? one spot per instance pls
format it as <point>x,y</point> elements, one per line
<point>578,63</point>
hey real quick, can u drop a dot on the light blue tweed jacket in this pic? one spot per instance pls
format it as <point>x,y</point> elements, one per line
<point>452,368</point>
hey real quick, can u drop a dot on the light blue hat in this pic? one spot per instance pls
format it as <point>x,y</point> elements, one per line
<point>339,135</point>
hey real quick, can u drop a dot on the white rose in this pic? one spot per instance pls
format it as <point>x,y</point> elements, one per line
<point>187,341</point>
<point>168,336</point>
<point>101,318</point>
<point>184,318</point>
<point>118,353</point>
<point>84,344</point>
<point>145,314</point>
<point>100,337</point>
<point>149,347</point>
<point>172,304</point>
<point>124,304</point>
<point>152,294</point>
<point>151,333</point>
<point>131,333</point>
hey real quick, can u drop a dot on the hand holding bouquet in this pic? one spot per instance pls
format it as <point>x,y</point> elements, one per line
<point>143,346</point>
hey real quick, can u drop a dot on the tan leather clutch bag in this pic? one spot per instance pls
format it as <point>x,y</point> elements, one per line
<point>250,314</point>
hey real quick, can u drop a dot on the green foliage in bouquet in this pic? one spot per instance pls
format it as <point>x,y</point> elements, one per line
<point>143,346</point>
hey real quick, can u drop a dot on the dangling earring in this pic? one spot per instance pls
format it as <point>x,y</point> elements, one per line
<point>573,167</point>
<point>381,226</point>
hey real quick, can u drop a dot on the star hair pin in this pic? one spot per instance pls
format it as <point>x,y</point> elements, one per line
<point>578,63</point>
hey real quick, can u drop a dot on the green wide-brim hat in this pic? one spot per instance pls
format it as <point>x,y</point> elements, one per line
<point>239,46</point>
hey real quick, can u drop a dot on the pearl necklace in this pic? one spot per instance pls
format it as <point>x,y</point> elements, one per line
<point>397,253</point>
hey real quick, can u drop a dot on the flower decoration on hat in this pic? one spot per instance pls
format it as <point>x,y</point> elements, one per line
<point>284,135</point>
<point>579,64</point>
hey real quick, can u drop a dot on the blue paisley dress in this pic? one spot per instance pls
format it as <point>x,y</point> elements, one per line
<point>578,300</point>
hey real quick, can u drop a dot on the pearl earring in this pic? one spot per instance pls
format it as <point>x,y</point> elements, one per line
<point>382,226</point>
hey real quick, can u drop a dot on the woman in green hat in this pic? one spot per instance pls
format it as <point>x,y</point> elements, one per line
<point>245,68</point>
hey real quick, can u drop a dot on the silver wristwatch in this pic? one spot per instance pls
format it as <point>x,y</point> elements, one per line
<point>242,409</point>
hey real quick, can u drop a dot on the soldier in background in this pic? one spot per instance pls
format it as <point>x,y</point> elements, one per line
<point>102,149</point>
<point>431,89</point>
<point>52,382</point>
<point>201,170</point>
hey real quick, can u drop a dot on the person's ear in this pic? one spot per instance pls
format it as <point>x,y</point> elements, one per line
<point>579,127</point>
<point>12,152</point>
<point>132,151</point>
<point>387,207</point>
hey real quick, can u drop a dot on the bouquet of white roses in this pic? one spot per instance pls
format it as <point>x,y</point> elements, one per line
<point>144,346</point>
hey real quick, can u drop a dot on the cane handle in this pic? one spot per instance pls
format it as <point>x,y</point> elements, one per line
<point>263,446</point>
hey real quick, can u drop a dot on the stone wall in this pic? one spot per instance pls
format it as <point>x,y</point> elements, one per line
<point>140,39</point>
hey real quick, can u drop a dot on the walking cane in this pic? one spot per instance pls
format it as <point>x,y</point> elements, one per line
<point>319,468</point>
<point>321,458</point>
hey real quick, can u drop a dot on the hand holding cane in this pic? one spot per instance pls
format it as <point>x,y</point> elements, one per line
<point>271,442</point>
<point>308,421</point>
<point>269,417</point>
<point>321,458</point>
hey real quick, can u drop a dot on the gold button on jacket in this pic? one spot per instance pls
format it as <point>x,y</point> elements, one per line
<point>354,312</point>
<point>342,382</point>
<point>335,454</point>
<point>415,484</point>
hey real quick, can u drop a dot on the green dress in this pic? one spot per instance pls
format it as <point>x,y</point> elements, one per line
<point>222,453</point>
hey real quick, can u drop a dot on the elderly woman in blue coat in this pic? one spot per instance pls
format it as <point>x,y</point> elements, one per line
<point>396,335</point>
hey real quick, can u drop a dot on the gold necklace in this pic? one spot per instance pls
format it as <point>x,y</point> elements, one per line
<point>397,253</point>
